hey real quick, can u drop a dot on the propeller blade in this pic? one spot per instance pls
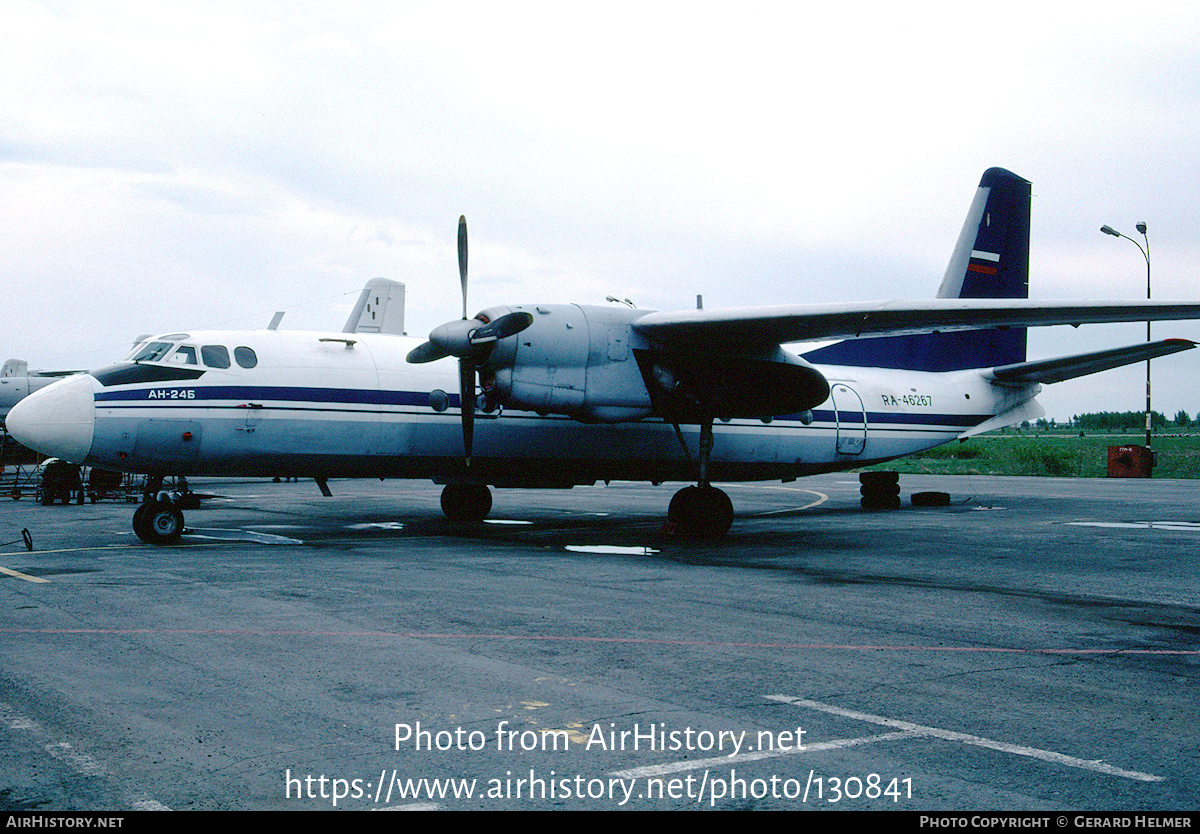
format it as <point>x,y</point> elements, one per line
<point>462,259</point>
<point>466,401</point>
<point>426,352</point>
<point>501,328</point>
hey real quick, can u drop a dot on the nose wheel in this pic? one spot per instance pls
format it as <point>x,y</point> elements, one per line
<point>158,522</point>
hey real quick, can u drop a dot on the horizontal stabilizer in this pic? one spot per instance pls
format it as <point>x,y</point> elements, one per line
<point>1069,367</point>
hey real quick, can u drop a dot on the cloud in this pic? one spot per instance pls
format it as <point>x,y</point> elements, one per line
<point>160,163</point>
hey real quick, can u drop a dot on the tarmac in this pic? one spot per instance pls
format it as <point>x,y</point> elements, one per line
<point>1030,647</point>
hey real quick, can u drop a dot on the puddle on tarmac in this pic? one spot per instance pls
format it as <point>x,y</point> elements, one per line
<point>612,549</point>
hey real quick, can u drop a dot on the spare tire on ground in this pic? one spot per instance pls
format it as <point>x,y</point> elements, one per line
<point>931,499</point>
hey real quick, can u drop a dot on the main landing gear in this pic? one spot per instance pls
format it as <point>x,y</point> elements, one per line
<point>466,502</point>
<point>701,510</point>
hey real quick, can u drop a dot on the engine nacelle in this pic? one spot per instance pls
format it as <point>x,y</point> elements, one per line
<point>571,360</point>
<point>589,363</point>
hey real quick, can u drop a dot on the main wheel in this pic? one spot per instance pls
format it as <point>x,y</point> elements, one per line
<point>466,502</point>
<point>701,511</point>
<point>157,522</point>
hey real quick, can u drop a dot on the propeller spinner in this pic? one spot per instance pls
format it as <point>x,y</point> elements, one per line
<point>468,339</point>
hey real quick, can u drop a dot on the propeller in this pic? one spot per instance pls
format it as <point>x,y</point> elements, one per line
<point>468,339</point>
<point>466,368</point>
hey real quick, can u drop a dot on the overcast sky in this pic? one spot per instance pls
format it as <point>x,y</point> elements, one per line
<point>166,166</point>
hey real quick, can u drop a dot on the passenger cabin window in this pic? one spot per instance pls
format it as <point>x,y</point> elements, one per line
<point>215,356</point>
<point>245,357</point>
<point>184,355</point>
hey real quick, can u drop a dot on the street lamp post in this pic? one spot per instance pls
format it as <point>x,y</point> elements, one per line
<point>1145,250</point>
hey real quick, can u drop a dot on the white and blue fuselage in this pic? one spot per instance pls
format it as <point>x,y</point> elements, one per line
<point>335,405</point>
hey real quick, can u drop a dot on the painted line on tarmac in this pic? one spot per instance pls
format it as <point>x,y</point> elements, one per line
<point>219,534</point>
<point>978,741</point>
<point>415,806</point>
<point>821,499</point>
<point>76,760</point>
<point>1175,526</point>
<point>19,575</point>
<point>737,758</point>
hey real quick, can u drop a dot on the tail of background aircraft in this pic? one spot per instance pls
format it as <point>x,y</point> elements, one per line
<point>990,260</point>
<point>380,309</point>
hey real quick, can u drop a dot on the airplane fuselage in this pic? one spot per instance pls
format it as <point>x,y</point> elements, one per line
<point>335,405</point>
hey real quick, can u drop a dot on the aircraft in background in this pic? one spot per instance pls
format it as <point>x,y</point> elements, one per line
<point>17,382</point>
<point>569,394</point>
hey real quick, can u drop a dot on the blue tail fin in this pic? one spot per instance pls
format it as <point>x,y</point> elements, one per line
<point>991,260</point>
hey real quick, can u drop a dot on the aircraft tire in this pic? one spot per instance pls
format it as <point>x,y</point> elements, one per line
<point>930,499</point>
<point>700,511</point>
<point>881,490</point>
<point>157,522</point>
<point>466,502</point>
<point>873,477</point>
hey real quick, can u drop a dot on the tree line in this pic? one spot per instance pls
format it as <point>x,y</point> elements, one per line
<point>1126,420</point>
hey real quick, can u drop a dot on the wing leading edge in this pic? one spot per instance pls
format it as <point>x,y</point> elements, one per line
<point>763,326</point>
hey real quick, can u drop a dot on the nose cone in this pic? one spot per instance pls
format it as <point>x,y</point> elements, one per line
<point>58,420</point>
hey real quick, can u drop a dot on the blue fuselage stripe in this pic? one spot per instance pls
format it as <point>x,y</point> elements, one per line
<point>294,398</point>
<point>284,394</point>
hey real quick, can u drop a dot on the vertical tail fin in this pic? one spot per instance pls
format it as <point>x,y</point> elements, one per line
<point>990,260</point>
<point>380,309</point>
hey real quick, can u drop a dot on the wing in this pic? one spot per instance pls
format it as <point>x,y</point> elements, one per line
<point>762,326</point>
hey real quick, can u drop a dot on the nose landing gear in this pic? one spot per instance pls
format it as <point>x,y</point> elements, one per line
<point>158,522</point>
<point>159,519</point>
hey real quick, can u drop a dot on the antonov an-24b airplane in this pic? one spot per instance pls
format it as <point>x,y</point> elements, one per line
<point>569,394</point>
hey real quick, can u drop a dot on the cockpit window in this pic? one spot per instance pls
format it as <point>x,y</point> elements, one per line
<point>245,357</point>
<point>134,350</point>
<point>184,355</point>
<point>215,356</point>
<point>153,352</point>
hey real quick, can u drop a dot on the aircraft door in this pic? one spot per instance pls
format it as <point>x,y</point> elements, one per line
<point>851,420</point>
